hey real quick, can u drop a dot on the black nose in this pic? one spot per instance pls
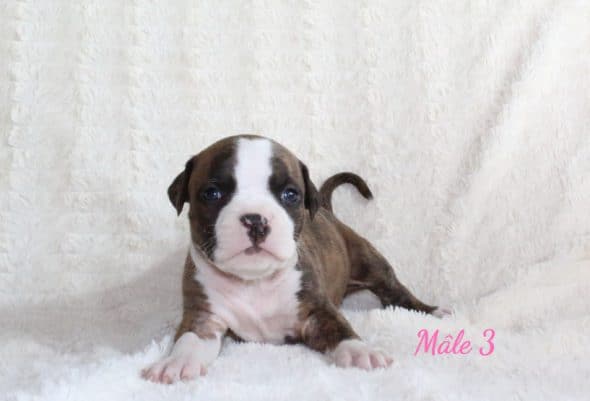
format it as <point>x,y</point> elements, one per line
<point>257,226</point>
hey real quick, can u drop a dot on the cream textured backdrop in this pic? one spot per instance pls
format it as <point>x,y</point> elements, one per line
<point>469,119</point>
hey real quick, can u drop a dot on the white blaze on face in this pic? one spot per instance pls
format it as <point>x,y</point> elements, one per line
<point>252,196</point>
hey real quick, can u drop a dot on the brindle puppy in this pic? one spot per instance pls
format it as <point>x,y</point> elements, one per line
<point>269,261</point>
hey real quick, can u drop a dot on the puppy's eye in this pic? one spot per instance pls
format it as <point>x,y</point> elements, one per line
<point>290,196</point>
<point>211,194</point>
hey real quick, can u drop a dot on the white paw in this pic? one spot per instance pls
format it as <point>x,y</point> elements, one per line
<point>441,312</point>
<point>174,368</point>
<point>189,358</point>
<point>355,353</point>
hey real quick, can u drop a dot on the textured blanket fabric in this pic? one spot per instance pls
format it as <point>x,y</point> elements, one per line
<point>469,119</point>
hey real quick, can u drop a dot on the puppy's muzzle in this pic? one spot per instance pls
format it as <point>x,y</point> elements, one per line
<point>258,228</point>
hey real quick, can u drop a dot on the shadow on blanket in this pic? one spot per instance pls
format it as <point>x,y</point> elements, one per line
<point>126,317</point>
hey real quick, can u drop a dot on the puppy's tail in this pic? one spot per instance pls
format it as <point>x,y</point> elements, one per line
<point>342,178</point>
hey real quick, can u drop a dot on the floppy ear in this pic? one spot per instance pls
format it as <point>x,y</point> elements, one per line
<point>178,190</point>
<point>312,197</point>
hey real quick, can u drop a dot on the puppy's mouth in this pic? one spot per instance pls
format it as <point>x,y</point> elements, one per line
<point>253,250</point>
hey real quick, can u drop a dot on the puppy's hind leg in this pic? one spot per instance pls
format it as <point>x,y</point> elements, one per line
<point>374,273</point>
<point>326,330</point>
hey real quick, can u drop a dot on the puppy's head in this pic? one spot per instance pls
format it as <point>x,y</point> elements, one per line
<point>249,198</point>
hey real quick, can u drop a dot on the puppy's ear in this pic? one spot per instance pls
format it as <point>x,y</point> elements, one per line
<point>312,196</point>
<point>178,190</point>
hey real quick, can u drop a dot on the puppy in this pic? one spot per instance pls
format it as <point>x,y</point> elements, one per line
<point>268,260</point>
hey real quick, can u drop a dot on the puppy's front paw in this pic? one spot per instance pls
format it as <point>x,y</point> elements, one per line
<point>441,312</point>
<point>174,368</point>
<point>189,358</point>
<point>355,353</point>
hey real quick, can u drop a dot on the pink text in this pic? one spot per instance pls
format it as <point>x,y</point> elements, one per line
<point>456,345</point>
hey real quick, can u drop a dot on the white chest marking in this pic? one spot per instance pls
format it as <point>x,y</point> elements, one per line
<point>262,310</point>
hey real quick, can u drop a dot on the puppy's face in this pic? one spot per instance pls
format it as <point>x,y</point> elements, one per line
<point>248,200</point>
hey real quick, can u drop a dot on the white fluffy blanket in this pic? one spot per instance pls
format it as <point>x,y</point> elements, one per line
<point>470,120</point>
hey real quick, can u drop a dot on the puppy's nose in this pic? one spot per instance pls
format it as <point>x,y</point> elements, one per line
<point>257,226</point>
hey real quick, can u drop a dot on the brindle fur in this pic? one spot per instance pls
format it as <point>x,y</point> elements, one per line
<point>334,260</point>
<point>196,315</point>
